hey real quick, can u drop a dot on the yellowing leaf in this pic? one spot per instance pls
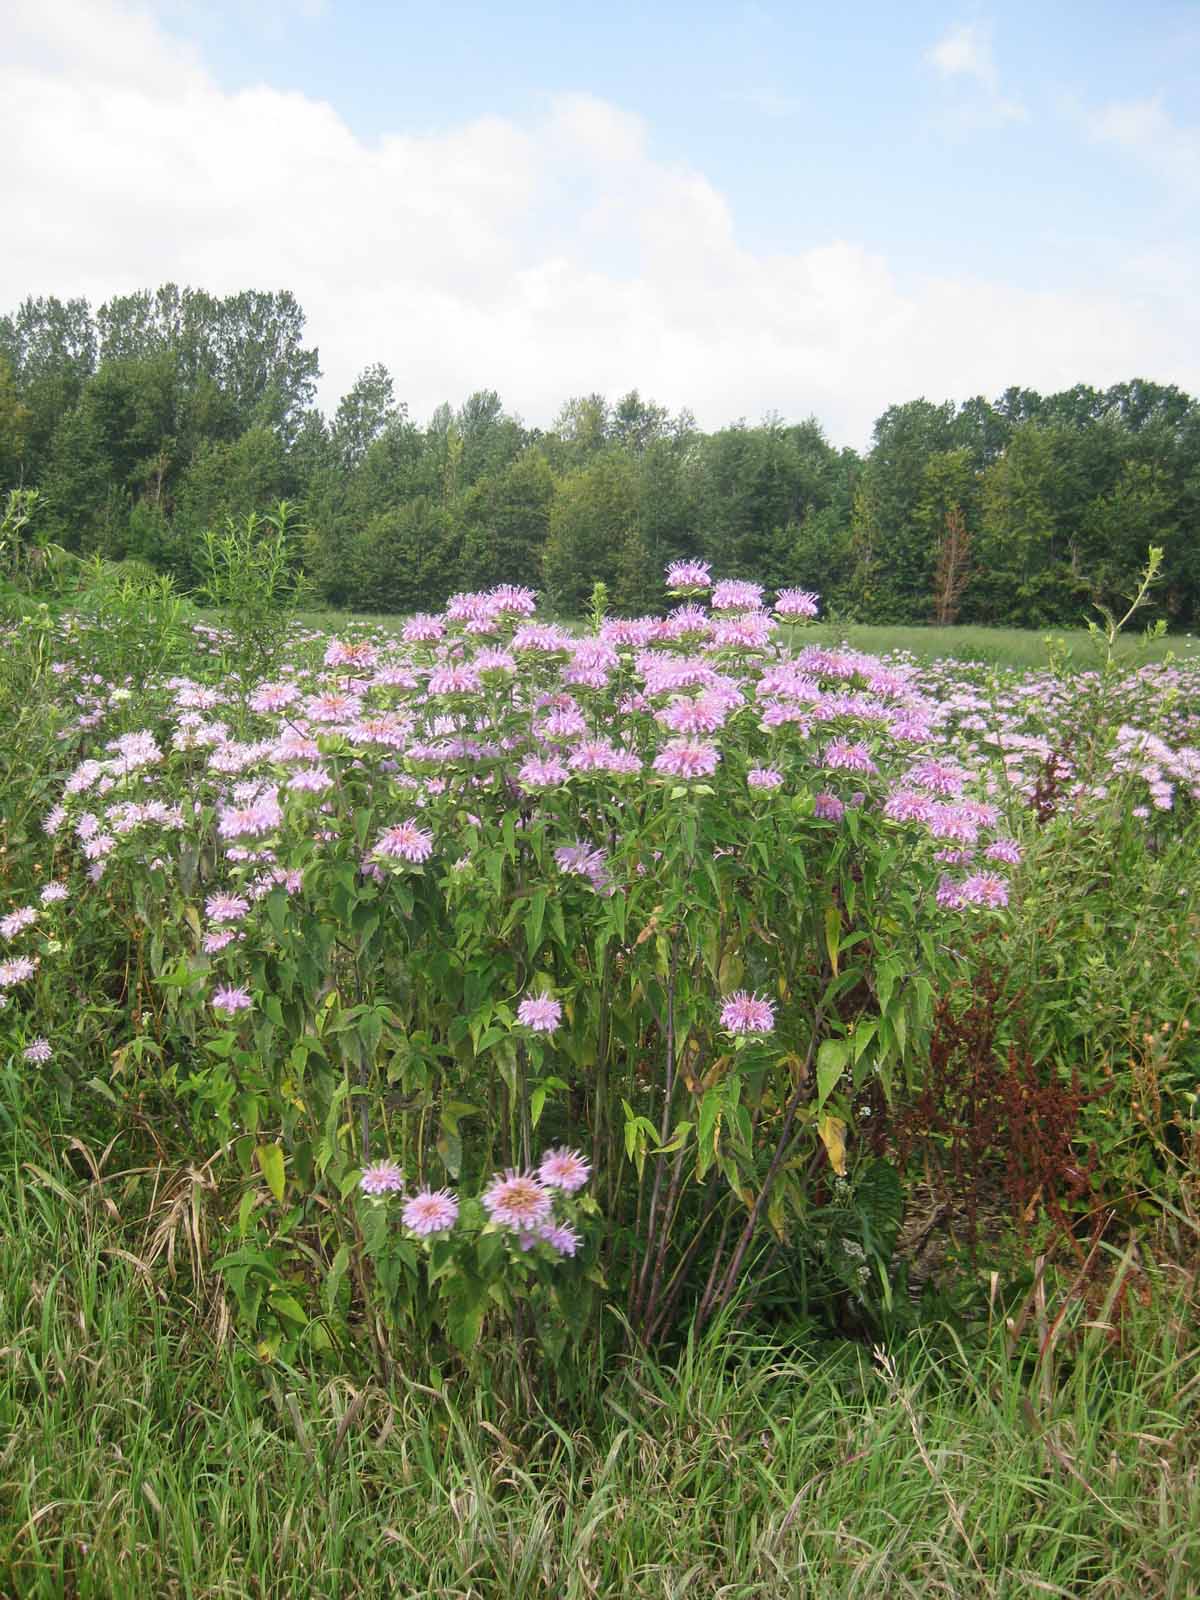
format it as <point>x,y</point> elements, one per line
<point>833,1137</point>
<point>833,935</point>
<point>270,1160</point>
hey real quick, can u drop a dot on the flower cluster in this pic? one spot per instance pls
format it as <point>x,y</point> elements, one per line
<point>526,1205</point>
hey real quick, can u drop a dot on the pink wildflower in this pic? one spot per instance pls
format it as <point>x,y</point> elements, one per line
<point>513,600</point>
<point>689,575</point>
<point>985,889</point>
<point>226,907</point>
<point>746,1013</point>
<point>564,1169</point>
<point>273,696</point>
<point>1006,850</point>
<point>938,777</point>
<point>560,1236</point>
<point>842,755</point>
<point>454,680</point>
<point>793,603</point>
<point>423,629</point>
<point>16,921</point>
<point>310,780</point>
<point>764,778</point>
<point>229,1001</point>
<point>381,1177</point>
<point>687,758</point>
<point>342,653</point>
<point>542,772</point>
<point>430,1211</point>
<point>405,842</point>
<point>540,1012</point>
<point>733,594</point>
<point>517,1200</point>
<point>37,1052</point>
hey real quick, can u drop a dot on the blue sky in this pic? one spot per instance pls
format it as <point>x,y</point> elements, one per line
<point>813,119</point>
<point>800,208</point>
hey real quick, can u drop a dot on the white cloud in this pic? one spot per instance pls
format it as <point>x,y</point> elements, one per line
<point>965,49</point>
<point>544,260</point>
<point>964,53</point>
<point>1145,130</point>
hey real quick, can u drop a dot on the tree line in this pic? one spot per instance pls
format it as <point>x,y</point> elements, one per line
<point>153,418</point>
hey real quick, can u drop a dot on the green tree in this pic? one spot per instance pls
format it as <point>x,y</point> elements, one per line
<point>593,512</point>
<point>364,411</point>
<point>15,418</point>
<point>505,520</point>
<point>405,559</point>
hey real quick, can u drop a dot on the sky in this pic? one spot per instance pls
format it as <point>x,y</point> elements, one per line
<point>743,210</point>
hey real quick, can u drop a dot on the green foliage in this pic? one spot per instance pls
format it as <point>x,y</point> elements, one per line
<point>250,578</point>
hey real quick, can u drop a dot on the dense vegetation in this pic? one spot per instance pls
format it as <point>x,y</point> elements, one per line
<point>147,422</point>
<point>650,1107</point>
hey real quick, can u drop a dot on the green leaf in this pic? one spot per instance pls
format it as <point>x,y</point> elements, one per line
<point>534,918</point>
<point>833,932</point>
<point>286,1305</point>
<point>831,1063</point>
<point>270,1159</point>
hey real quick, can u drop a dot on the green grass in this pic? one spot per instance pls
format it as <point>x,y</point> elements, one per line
<point>140,1456</point>
<point>1004,647</point>
<point>1021,648</point>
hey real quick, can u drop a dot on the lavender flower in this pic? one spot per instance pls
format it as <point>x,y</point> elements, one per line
<point>229,1001</point>
<point>407,841</point>
<point>430,1211</point>
<point>381,1177</point>
<point>828,807</point>
<point>542,772</point>
<point>733,594</point>
<point>746,1013</point>
<point>564,1169</point>
<point>691,575</point>
<point>16,921</point>
<point>517,1200</point>
<point>37,1052</point>
<point>795,603</point>
<point>560,1236</point>
<point>688,758</point>
<point>984,889</point>
<point>842,755</point>
<point>540,1012</point>
<point>226,907</point>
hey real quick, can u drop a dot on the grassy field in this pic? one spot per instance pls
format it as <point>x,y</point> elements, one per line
<point>143,1455</point>
<point>1021,648</point>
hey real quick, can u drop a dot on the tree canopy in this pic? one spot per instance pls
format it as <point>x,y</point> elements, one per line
<point>151,419</point>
